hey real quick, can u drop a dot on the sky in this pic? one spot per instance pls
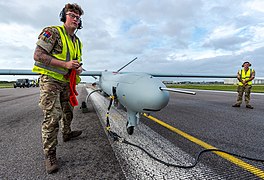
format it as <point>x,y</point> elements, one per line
<point>172,36</point>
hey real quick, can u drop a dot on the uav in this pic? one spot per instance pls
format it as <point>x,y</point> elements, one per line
<point>138,92</point>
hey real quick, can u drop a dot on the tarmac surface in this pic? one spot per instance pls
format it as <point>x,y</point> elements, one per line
<point>135,163</point>
<point>207,116</point>
<point>89,156</point>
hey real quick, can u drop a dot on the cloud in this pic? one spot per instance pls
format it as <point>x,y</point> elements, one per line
<point>172,36</point>
<point>257,5</point>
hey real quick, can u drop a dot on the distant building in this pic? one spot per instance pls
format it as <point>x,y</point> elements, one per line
<point>235,81</point>
<point>168,82</point>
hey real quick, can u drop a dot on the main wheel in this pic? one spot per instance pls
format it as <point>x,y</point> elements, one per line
<point>84,107</point>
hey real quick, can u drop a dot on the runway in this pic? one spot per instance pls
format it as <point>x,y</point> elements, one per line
<point>208,117</point>
<point>89,156</point>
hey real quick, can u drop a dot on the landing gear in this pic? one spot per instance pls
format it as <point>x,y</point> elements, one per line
<point>84,107</point>
<point>130,129</point>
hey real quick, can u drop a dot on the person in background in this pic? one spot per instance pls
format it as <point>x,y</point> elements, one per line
<point>57,54</point>
<point>245,77</point>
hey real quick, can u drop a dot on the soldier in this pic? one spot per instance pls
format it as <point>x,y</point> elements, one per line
<point>245,77</point>
<point>58,52</point>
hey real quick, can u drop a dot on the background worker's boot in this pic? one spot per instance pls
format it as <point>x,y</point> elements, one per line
<point>249,106</point>
<point>73,134</point>
<point>51,162</point>
<point>236,105</point>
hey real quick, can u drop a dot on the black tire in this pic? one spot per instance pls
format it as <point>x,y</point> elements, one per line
<point>84,107</point>
<point>130,130</point>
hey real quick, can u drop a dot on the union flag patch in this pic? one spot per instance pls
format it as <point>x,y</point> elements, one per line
<point>47,34</point>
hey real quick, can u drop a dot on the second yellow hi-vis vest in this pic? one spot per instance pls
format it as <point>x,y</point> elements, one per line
<point>245,76</point>
<point>70,50</point>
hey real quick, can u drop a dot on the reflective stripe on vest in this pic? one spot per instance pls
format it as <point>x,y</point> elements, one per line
<point>70,51</point>
<point>245,76</point>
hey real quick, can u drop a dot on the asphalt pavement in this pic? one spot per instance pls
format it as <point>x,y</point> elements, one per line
<point>89,156</point>
<point>207,116</point>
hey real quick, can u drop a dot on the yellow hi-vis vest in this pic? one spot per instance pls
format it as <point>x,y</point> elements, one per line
<point>70,50</point>
<point>245,76</point>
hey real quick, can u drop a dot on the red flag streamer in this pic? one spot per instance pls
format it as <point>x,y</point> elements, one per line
<point>73,92</point>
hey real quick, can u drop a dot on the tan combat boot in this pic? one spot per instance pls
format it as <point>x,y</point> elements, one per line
<point>51,162</point>
<point>73,134</point>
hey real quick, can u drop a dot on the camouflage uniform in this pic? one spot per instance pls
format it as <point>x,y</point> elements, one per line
<point>241,90</point>
<point>54,95</point>
<point>51,42</point>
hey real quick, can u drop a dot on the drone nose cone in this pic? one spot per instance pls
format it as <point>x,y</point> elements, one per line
<point>143,95</point>
<point>154,99</point>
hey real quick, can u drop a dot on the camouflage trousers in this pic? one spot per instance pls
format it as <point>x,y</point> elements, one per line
<point>54,101</point>
<point>241,90</point>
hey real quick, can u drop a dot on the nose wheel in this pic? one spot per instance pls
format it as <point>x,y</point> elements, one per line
<point>130,129</point>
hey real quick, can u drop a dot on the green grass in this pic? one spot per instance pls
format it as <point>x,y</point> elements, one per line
<point>7,85</point>
<point>218,87</point>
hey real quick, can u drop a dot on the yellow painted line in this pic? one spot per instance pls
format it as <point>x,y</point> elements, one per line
<point>254,170</point>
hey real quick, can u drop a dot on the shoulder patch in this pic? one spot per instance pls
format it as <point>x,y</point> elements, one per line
<point>47,34</point>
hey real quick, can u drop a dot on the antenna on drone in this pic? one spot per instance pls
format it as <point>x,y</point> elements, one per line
<point>126,65</point>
